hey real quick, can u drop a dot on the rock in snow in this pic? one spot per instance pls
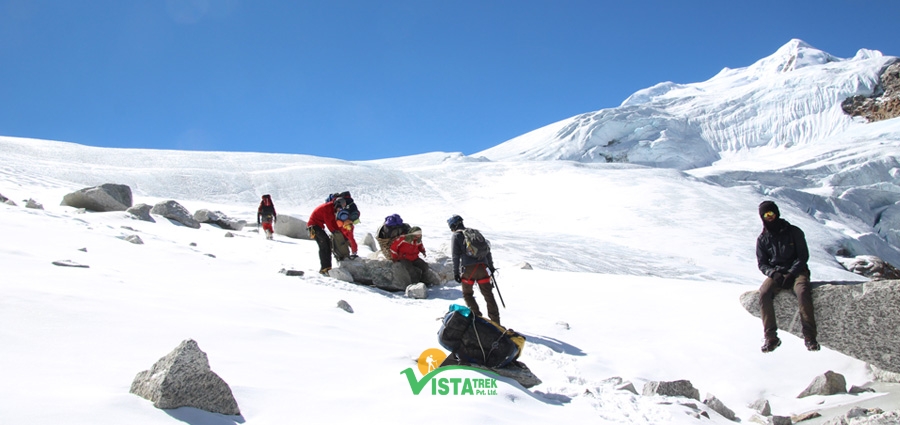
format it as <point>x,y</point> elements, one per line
<point>103,198</point>
<point>184,378</point>
<point>175,212</point>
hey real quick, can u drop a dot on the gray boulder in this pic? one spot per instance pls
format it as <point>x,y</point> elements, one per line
<point>103,198</point>
<point>851,318</point>
<point>219,219</point>
<point>369,241</point>
<point>830,383</point>
<point>291,227</point>
<point>135,239</point>
<point>175,212</point>
<point>141,212</point>
<point>680,388</point>
<point>183,378</point>
<point>390,276</point>
<point>3,199</point>
<point>31,203</point>
<point>344,305</point>
<point>761,406</point>
<point>717,406</point>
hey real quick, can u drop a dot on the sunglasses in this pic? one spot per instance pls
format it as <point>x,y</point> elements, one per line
<point>769,215</point>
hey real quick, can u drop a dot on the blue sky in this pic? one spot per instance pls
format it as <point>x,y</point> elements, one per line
<point>374,79</point>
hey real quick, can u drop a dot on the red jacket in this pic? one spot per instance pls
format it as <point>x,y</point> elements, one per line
<point>323,216</point>
<point>401,249</point>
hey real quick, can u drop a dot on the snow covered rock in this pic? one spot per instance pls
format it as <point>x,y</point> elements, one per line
<point>862,416</point>
<point>31,203</point>
<point>344,305</point>
<point>870,266</point>
<point>830,383</point>
<point>390,276</point>
<point>417,291</point>
<point>680,388</point>
<point>219,219</point>
<point>291,227</point>
<point>183,378</point>
<point>761,406</point>
<point>135,239</point>
<point>103,198</point>
<point>369,241</point>
<point>141,212</point>
<point>850,318</point>
<point>175,212</point>
<point>716,405</point>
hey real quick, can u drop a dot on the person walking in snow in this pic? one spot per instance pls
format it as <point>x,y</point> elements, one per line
<point>322,217</point>
<point>471,271</point>
<point>782,255</point>
<point>266,216</point>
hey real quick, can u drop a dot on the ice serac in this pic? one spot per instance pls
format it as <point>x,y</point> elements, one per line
<point>853,318</point>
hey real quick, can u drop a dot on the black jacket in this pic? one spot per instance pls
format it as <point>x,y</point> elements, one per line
<point>781,247</point>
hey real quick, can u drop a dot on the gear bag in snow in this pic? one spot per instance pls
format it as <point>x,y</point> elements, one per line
<point>478,340</point>
<point>476,245</point>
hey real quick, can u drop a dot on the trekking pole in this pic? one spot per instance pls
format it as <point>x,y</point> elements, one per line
<point>494,281</point>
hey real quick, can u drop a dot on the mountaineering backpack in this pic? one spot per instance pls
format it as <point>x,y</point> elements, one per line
<point>340,246</point>
<point>477,340</point>
<point>476,245</point>
<point>349,204</point>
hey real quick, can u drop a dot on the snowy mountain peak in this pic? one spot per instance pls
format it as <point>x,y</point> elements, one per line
<point>794,55</point>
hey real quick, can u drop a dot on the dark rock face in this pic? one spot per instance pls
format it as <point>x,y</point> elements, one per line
<point>853,318</point>
<point>682,388</point>
<point>881,107</point>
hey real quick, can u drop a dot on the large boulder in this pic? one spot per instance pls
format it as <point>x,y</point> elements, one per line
<point>852,318</point>
<point>183,378</point>
<point>103,198</point>
<point>219,219</point>
<point>390,276</point>
<point>829,383</point>
<point>291,227</point>
<point>175,212</point>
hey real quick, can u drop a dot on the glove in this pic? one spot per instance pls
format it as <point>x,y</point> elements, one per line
<point>424,254</point>
<point>778,278</point>
<point>457,278</point>
<point>312,232</point>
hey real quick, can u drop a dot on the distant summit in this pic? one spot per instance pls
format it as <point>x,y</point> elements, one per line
<point>790,98</point>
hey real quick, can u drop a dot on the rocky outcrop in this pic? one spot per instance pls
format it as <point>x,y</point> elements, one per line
<point>291,227</point>
<point>141,212</point>
<point>870,266</point>
<point>175,212</point>
<point>392,276</point>
<point>183,378</point>
<point>863,416</point>
<point>219,219</point>
<point>851,318</point>
<point>884,105</point>
<point>681,388</point>
<point>103,198</point>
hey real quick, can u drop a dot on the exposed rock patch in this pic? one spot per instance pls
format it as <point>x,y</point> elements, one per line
<point>883,105</point>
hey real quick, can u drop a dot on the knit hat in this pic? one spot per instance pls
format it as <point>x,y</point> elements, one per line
<point>767,206</point>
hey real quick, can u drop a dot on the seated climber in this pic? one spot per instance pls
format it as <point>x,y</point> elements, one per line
<point>406,249</point>
<point>782,255</point>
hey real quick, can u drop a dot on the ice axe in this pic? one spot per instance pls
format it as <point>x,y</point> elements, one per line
<point>494,281</point>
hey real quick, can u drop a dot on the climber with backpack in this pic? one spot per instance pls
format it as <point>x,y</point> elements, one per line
<point>473,265</point>
<point>393,226</point>
<point>266,216</point>
<point>324,217</point>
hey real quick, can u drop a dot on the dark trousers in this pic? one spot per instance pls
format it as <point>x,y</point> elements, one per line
<point>802,290</point>
<point>324,247</point>
<point>470,276</point>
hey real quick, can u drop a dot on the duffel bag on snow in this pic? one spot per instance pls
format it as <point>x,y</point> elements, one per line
<point>478,340</point>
